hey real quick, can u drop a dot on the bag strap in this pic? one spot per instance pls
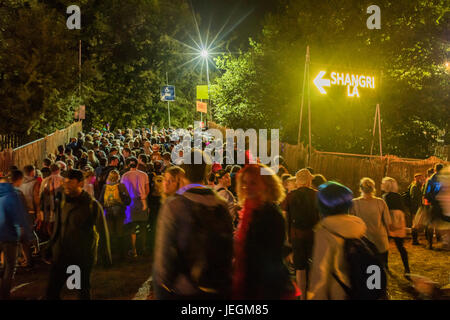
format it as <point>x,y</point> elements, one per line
<point>341,283</point>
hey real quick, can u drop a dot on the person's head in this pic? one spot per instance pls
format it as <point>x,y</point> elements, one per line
<point>303,178</point>
<point>290,184</point>
<point>142,158</point>
<point>196,172</point>
<point>430,172</point>
<point>70,164</point>
<point>252,185</point>
<point>69,151</point>
<point>62,165</point>
<point>334,198</point>
<point>166,157</point>
<point>88,172</point>
<point>317,180</point>
<point>389,184</point>
<point>311,170</point>
<point>73,183</point>
<point>113,177</point>
<point>173,180</point>
<point>16,178</point>
<point>223,178</point>
<point>113,161</point>
<point>46,162</point>
<point>113,151</point>
<point>419,178</point>
<point>126,152</point>
<point>45,172</point>
<point>55,169</point>
<point>367,187</point>
<point>29,171</point>
<point>438,167</point>
<point>61,149</point>
<point>131,162</point>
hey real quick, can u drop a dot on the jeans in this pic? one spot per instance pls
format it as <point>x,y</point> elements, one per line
<point>9,250</point>
<point>403,253</point>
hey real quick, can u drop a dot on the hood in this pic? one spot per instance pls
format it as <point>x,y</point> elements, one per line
<point>205,196</point>
<point>345,225</point>
<point>5,188</point>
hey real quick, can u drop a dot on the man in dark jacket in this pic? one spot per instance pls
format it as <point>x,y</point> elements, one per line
<point>302,214</point>
<point>12,223</point>
<point>79,227</point>
<point>194,241</point>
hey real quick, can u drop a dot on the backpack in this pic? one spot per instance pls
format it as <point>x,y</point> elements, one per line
<point>208,248</point>
<point>360,255</point>
<point>112,196</point>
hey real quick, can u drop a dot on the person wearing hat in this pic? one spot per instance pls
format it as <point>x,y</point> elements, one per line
<point>80,227</point>
<point>328,257</point>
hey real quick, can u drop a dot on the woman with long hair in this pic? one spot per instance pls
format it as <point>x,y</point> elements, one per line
<point>259,271</point>
<point>397,230</point>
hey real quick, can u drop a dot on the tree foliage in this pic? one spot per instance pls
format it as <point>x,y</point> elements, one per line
<point>407,56</point>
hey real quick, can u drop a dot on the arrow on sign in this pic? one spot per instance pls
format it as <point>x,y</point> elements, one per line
<point>320,83</point>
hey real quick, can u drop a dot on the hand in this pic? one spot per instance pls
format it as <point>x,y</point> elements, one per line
<point>290,258</point>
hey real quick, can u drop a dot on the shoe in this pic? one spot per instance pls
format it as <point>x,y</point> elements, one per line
<point>132,254</point>
<point>416,243</point>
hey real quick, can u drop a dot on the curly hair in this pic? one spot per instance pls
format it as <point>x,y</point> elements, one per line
<point>273,192</point>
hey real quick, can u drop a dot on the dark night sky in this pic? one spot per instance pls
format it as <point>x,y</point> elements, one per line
<point>216,12</point>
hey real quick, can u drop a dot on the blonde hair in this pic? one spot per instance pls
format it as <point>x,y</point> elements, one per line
<point>367,186</point>
<point>304,177</point>
<point>273,192</point>
<point>113,177</point>
<point>389,184</point>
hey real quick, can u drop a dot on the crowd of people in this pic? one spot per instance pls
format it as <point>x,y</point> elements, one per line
<point>212,231</point>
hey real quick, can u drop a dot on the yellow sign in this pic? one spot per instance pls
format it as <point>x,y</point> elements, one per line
<point>202,92</point>
<point>352,81</point>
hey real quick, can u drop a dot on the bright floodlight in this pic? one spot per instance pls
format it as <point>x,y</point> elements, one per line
<point>204,53</point>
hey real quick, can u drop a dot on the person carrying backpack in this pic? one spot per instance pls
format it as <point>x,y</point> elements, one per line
<point>114,198</point>
<point>194,240</point>
<point>341,256</point>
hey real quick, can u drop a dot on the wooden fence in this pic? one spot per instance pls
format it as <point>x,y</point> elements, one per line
<point>35,152</point>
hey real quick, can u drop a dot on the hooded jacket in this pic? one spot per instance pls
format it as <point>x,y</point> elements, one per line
<point>176,226</point>
<point>328,256</point>
<point>12,214</point>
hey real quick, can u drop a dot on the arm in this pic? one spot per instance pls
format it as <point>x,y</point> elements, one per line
<point>320,269</point>
<point>102,229</point>
<point>166,251</point>
<point>386,216</point>
<point>36,197</point>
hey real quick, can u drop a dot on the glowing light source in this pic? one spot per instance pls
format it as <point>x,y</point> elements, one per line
<point>204,53</point>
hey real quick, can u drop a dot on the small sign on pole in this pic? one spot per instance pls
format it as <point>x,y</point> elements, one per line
<point>168,93</point>
<point>202,107</point>
<point>202,92</point>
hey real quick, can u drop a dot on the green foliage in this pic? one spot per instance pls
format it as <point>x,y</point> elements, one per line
<point>407,57</point>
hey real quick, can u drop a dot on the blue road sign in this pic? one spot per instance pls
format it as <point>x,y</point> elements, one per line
<point>168,93</point>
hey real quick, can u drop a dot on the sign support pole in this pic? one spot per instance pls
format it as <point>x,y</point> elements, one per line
<point>309,110</point>
<point>168,103</point>
<point>303,96</point>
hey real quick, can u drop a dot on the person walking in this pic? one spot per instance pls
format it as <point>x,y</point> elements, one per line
<point>329,259</point>
<point>375,214</point>
<point>302,215</point>
<point>137,184</point>
<point>397,230</point>
<point>80,227</point>
<point>115,198</point>
<point>259,271</point>
<point>194,240</point>
<point>222,183</point>
<point>415,196</point>
<point>12,226</point>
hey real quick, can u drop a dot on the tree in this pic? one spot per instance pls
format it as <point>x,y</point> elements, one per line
<point>407,56</point>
